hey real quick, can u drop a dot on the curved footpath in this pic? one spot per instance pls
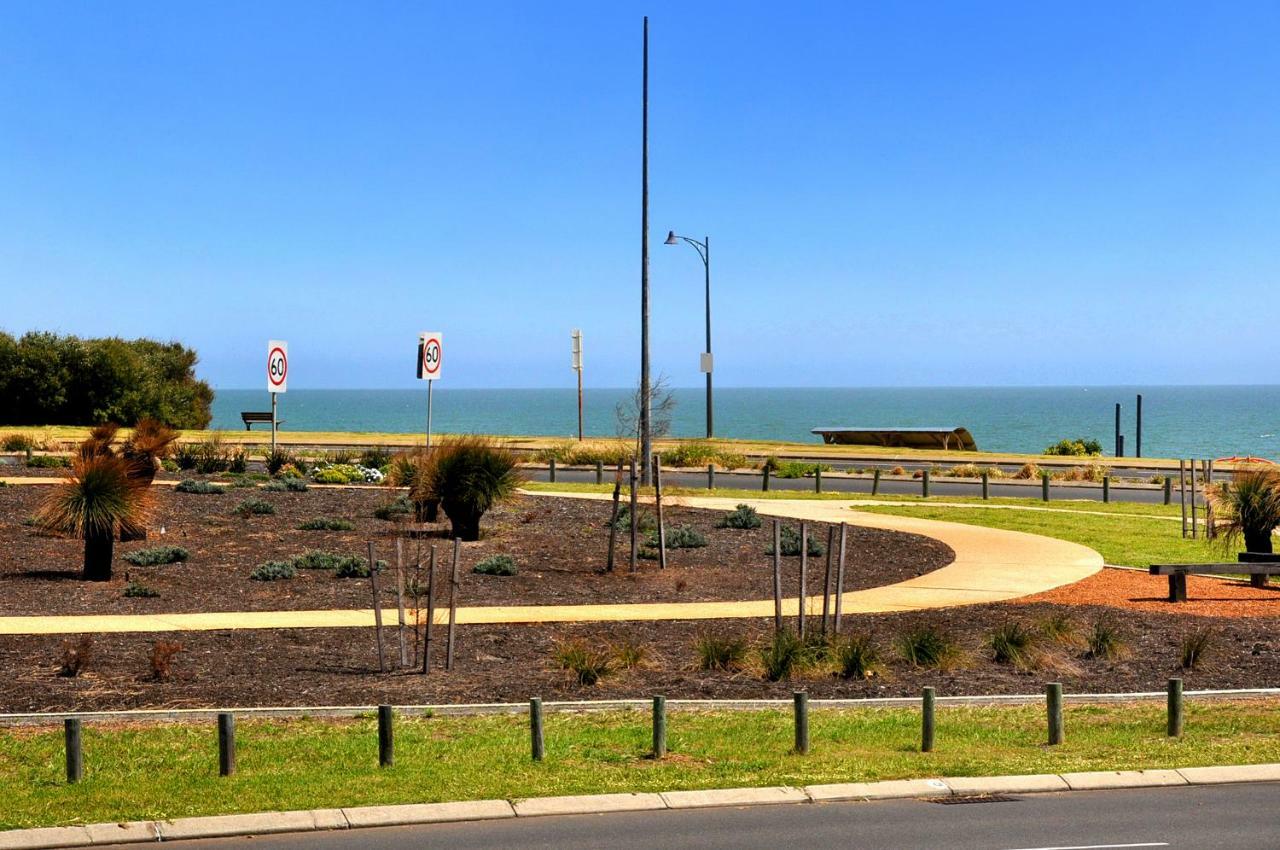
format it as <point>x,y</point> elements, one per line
<point>991,565</point>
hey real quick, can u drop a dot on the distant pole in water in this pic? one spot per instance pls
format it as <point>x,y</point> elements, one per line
<point>1137,445</point>
<point>1119,439</point>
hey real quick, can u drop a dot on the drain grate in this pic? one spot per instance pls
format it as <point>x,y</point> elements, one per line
<point>973,798</point>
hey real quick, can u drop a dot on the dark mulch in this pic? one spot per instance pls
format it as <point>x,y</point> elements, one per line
<point>559,544</point>
<point>512,663</point>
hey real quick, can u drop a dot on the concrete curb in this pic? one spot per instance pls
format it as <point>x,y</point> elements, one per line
<point>262,823</point>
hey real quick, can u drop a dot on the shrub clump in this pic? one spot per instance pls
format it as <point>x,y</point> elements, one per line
<point>156,556</point>
<point>496,565</point>
<point>273,571</point>
<point>346,473</point>
<point>134,590</point>
<point>47,462</point>
<point>858,657</point>
<point>588,664</point>
<point>1195,647</point>
<point>721,653</point>
<point>288,484</point>
<point>743,517</point>
<point>255,507</point>
<point>1016,644</point>
<point>199,488</point>
<point>76,655</point>
<point>318,559</point>
<point>327,524</point>
<point>928,646</point>
<point>644,520</point>
<point>399,509</point>
<point>353,567</point>
<point>161,658</point>
<point>679,537</point>
<point>1105,641</point>
<point>1079,447</point>
<point>782,656</point>
<point>791,543</point>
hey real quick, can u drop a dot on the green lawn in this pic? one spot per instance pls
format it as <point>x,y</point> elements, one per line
<point>165,771</point>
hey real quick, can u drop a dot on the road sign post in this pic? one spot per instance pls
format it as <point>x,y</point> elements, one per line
<point>576,336</point>
<point>277,379</point>
<point>430,359</point>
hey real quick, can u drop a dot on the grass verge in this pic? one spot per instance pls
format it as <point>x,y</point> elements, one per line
<point>157,772</point>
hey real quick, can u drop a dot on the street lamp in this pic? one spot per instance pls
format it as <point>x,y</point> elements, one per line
<point>704,251</point>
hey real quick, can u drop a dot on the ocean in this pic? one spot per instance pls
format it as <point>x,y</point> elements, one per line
<point>1186,421</point>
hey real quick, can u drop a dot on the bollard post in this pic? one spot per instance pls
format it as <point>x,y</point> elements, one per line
<point>986,485</point>
<point>75,754</point>
<point>924,483</point>
<point>817,478</point>
<point>802,607</point>
<point>1053,702</point>
<point>1044,486</point>
<point>711,476</point>
<point>1175,708</point>
<point>801,700</point>
<point>659,727</point>
<point>926,720</point>
<point>764,480</point>
<point>875,482</point>
<point>535,729</point>
<point>226,743</point>
<point>551,470</point>
<point>386,737</point>
<point>777,576</point>
<point>1106,488</point>
<point>1168,489</point>
<point>599,471</point>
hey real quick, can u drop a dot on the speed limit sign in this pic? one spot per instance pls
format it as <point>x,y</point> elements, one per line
<point>430,355</point>
<point>277,366</point>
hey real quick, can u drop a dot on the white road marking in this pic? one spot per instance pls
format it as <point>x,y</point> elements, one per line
<point>1100,846</point>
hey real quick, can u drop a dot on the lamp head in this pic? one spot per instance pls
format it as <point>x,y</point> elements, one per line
<point>672,239</point>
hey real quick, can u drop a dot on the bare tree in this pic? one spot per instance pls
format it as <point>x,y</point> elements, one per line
<point>662,405</point>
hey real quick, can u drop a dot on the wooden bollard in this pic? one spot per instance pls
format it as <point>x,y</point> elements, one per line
<point>924,483</point>
<point>377,607</point>
<point>986,485</point>
<point>431,612</point>
<point>1175,708</point>
<point>659,727</point>
<point>635,521</point>
<point>536,740</point>
<point>551,470</point>
<point>1053,702</point>
<point>453,606</point>
<point>800,700</point>
<point>657,501</point>
<point>875,482</point>
<point>711,476</point>
<point>1168,489</point>
<point>1044,486</point>
<point>386,737</point>
<point>71,734</point>
<point>844,529</point>
<point>226,743</point>
<point>927,720</point>
<point>802,608</point>
<point>764,479</point>
<point>777,576</point>
<point>1106,488</point>
<point>599,472</point>
<point>817,478</point>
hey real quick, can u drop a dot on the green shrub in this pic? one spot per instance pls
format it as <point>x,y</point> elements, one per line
<point>1195,647</point>
<point>273,571</point>
<point>721,653</point>
<point>1105,641</point>
<point>857,657</point>
<point>496,565</point>
<point>797,469</point>
<point>317,559</point>
<point>784,655</point>
<point>134,590</point>
<point>1013,643</point>
<point>742,517</point>
<point>573,453</point>
<point>469,475</point>
<point>629,654</point>
<point>353,567</point>
<point>399,509</point>
<point>644,520</point>
<point>1061,629</point>
<point>201,488</point>
<point>588,664</point>
<point>678,537</point>
<point>290,484</point>
<point>156,556</point>
<point>255,507</point>
<point>791,543</point>
<point>280,458</point>
<point>700,454</point>
<point>239,462</point>
<point>1079,447</point>
<point>19,443</point>
<point>927,646</point>
<point>47,462</point>
<point>338,473</point>
<point>376,457</point>
<point>326,524</point>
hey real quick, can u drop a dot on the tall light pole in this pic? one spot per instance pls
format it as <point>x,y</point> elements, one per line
<point>704,251</point>
<point>646,435</point>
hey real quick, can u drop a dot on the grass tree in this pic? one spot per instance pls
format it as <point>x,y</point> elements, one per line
<point>96,501</point>
<point>1248,507</point>
<point>150,442</point>
<point>414,470</point>
<point>470,475</point>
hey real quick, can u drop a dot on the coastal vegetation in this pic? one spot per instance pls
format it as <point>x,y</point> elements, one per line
<point>49,379</point>
<point>1248,507</point>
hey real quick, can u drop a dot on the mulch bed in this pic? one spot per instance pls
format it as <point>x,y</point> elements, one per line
<point>560,546</point>
<point>1139,591</point>
<point>513,663</point>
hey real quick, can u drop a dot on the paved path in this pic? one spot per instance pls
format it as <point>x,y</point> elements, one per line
<point>991,565</point>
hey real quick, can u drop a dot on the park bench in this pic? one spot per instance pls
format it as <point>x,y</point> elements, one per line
<point>1257,565</point>
<point>250,417</point>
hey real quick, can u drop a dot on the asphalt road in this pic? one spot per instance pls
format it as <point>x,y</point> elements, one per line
<point>939,487</point>
<point>1223,817</point>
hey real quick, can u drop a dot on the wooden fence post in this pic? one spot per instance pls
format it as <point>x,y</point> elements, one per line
<point>924,483</point>
<point>804,577</point>
<point>226,743</point>
<point>453,606</point>
<point>711,476</point>
<point>927,726</point>
<point>72,741</point>
<point>801,702</point>
<point>657,499</point>
<point>986,484</point>
<point>377,607</point>
<point>1182,493</point>
<point>431,611</point>
<point>659,727</point>
<point>826,579</point>
<point>777,576</point>
<point>875,482</point>
<point>764,480</point>
<point>613,518</point>
<point>599,472</point>
<point>386,737</point>
<point>635,519</point>
<point>536,739</point>
<point>1053,702</point>
<point>1175,708</point>
<point>844,529</point>
<point>404,641</point>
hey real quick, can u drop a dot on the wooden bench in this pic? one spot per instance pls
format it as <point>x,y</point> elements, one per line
<point>251,417</point>
<point>1258,566</point>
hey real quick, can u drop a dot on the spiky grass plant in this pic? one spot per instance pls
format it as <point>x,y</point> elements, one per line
<point>1248,507</point>
<point>928,646</point>
<point>470,475</point>
<point>96,500</point>
<point>1106,641</point>
<point>721,653</point>
<point>588,664</point>
<point>784,655</point>
<point>1195,647</point>
<point>1014,643</point>
<point>858,657</point>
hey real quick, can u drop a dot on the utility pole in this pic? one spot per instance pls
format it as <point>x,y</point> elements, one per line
<point>646,396</point>
<point>576,336</point>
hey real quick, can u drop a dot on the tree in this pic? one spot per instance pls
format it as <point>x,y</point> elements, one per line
<point>470,475</point>
<point>1248,507</point>
<point>98,499</point>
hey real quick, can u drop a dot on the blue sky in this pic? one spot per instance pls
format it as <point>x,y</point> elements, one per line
<point>927,194</point>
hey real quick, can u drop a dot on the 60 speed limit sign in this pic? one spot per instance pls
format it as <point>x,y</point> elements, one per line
<point>430,355</point>
<point>277,366</point>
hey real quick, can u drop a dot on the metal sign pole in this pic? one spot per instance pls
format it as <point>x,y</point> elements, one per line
<point>273,423</point>
<point>430,386</point>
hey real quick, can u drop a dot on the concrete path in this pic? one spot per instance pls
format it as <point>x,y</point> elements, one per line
<point>991,565</point>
